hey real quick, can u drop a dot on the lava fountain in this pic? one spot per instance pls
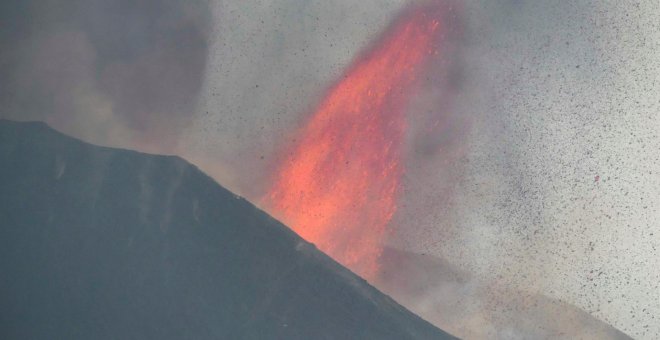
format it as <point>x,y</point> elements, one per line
<point>337,184</point>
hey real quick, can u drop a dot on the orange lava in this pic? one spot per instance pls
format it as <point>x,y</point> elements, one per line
<point>337,185</point>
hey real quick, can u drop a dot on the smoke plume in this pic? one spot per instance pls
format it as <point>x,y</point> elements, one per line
<point>123,73</point>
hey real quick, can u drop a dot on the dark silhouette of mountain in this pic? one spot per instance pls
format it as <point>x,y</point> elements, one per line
<point>101,243</point>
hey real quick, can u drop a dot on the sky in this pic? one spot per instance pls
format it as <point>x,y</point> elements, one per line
<point>544,180</point>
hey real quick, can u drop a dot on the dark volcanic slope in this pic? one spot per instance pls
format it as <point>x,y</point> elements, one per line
<point>100,243</point>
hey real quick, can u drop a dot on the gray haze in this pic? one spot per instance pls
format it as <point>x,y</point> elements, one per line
<point>113,72</point>
<point>544,179</point>
<point>270,63</point>
<point>559,192</point>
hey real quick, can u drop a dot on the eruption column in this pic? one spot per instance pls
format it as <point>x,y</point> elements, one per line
<point>337,184</point>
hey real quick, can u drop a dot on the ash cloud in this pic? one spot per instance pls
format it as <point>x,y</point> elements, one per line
<point>270,63</point>
<point>560,93</point>
<point>124,73</point>
<point>545,97</point>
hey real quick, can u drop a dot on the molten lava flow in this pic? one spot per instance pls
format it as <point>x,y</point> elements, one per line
<point>337,186</point>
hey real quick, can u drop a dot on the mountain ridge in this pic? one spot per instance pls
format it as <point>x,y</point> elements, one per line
<point>108,243</point>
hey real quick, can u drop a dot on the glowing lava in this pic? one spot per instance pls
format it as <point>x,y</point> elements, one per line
<point>337,186</point>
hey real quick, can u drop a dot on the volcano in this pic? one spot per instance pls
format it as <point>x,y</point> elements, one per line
<point>101,243</point>
<point>337,185</point>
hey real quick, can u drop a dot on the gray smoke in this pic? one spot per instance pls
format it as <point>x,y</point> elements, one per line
<point>112,72</point>
<point>540,180</point>
<point>557,191</point>
<point>270,64</point>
